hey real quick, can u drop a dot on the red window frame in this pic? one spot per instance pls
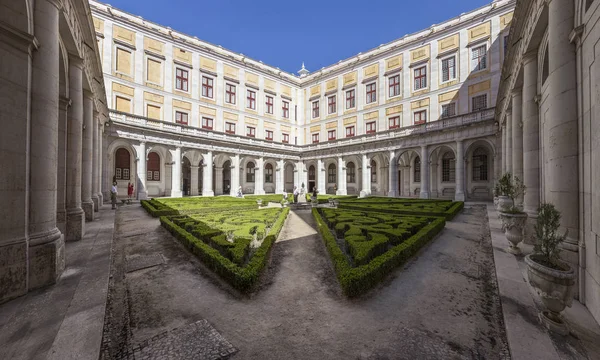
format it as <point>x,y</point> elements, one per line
<point>479,58</point>
<point>269,135</point>
<point>394,122</point>
<point>350,131</point>
<point>370,127</point>
<point>250,131</point>
<point>394,85</point>
<point>315,109</point>
<point>285,138</point>
<point>251,99</point>
<point>153,167</point>
<point>181,117</point>
<point>207,123</point>
<point>371,92</point>
<point>230,94</point>
<point>285,107</point>
<point>181,79</point>
<point>207,87</point>
<point>315,138</point>
<point>230,128</point>
<point>269,104</point>
<point>331,135</point>
<point>420,117</point>
<point>420,77</point>
<point>350,99</point>
<point>331,104</point>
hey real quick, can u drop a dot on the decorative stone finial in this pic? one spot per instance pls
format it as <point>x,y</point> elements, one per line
<point>303,72</point>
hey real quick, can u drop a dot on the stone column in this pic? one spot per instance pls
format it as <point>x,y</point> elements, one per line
<point>207,174</point>
<point>99,158</point>
<point>517,134</point>
<point>95,198</point>
<point>560,125</point>
<point>321,177</point>
<point>504,140</point>
<point>393,175</point>
<point>176,177</point>
<point>434,180</point>
<point>366,176</point>
<point>75,214</point>
<point>509,145</point>
<point>168,178</point>
<point>406,174</point>
<point>61,186</point>
<point>140,187</point>
<point>424,173</point>
<point>218,180</point>
<point>531,143</point>
<point>235,174</point>
<point>280,177</point>
<point>87,204</point>
<point>459,194</point>
<point>259,179</point>
<point>341,180</point>
<point>194,180</point>
<point>46,242</point>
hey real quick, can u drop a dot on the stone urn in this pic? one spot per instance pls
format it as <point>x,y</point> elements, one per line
<point>259,202</point>
<point>555,287</point>
<point>504,203</point>
<point>513,225</point>
<point>496,202</point>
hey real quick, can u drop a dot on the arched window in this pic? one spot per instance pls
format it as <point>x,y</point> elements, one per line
<point>331,174</point>
<point>448,167</point>
<point>269,173</point>
<point>351,173</point>
<point>480,164</point>
<point>417,171</point>
<point>250,172</point>
<point>373,171</point>
<point>311,173</point>
<point>153,167</point>
<point>122,167</point>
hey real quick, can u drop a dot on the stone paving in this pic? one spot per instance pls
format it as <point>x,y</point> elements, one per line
<point>139,262</point>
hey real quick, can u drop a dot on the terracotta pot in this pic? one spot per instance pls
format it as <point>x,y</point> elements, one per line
<point>513,226</point>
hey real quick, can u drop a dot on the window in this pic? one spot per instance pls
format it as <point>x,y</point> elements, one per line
<point>207,123</point>
<point>250,170</point>
<point>420,117</point>
<point>181,79</point>
<point>448,110</point>
<point>351,172</point>
<point>268,173</point>
<point>315,138</point>
<point>480,172</point>
<point>331,174</point>
<point>153,167</point>
<point>250,131</point>
<point>285,138</point>
<point>153,112</point>
<point>207,87</point>
<point>154,71</point>
<point>122,159</point>
<point>230,94</point>
<point>331,105</point>
<point>421,78</point>
<point>251,99</point>
<point>373,171</point>
<point>370,127</point>
<point>448,167</point>
<point>122,104</point>
<point>269,104</point>
<point>417,170</point>
<point>315,109</point>
<point>181,118</point>
<point>350,99</point>
<point>479,102</point>
<point>269,135</point>
<point>479,58</point>
<point>394,122</point>
<point>394,85</point>
<point>230,128</point>
<point>331,135</point>
<point>285,109</point>
<point>311,173</point>
<point>448,69</point>
<point>371,93</point>
<point>349,131</point>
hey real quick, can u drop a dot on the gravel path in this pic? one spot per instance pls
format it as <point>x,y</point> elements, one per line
<point>443,304</point>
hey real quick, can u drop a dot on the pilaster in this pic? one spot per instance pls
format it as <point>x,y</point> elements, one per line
<point>87,204</point>
<point>424,173</point>
<point>207,173</point>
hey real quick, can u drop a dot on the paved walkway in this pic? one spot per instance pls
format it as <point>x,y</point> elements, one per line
<point>64,321</point>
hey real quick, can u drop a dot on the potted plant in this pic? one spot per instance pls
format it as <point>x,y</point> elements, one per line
<point>553,279</point>
<point>502,192</point>
<point>513,218</point>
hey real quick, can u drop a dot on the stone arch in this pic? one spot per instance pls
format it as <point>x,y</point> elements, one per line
<point>443,171</point>
<point>221,177</point>
<point>288,176</point>
<point>17,14</point>
<point>406,184</point>
<point>478,188</point>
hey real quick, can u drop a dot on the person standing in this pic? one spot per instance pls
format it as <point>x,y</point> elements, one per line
<point>113,195</point>
<point>129,192</point>
<point>295,194</point>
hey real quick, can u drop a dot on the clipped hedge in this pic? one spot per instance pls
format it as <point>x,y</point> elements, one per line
<point>157,209</point>
<point>357,280</point>
<point>242,278</point>
<point>446,210</point>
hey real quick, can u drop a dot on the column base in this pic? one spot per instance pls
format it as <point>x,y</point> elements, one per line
<point>459,197</point>
<point>142,195</point>
<point>424,195</point>
<point>100,199</point>
<point>207,193</point>
<point>176,193</point>
<point>96,202</point>
<point>13,270</point>
<point>75,224</point>
<point>46,262</point>
<point>341,192</point>
<point>364,193</point>
<point>88,209</point>
<point>61,220</point>
<point>392,193</point>
<point>434,194</point>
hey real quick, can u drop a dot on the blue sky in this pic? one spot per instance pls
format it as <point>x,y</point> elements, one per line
<point>284,33</point>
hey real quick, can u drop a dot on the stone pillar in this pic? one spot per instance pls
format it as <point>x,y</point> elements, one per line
<point>434,179</point>
<point>366,176</point>
<point>194,180</point>
<point>424,173</point>
<point>406,174</point>
<point>61,185</point>
<point>517,135</point>
<point>46,242</point>
<point>218,180</point>
<point>142,192</point>
<point>100,157</point>
<point>207,173</point>
<point>280,177</point>
<point>509,145</point>
<point>393,175</point>
<point>168,179</point>
<point>321,177</point>
<point>75,214</point>
<point>561,186</point>
<point>95,198</point>
<point>176,177</point>
<point>531,143</point>
<point>259,179</point>
<point>459,194</point>
<point>87,204</point>
<point>503,146</point>
<point>341,180</point>
<point>235,174</point>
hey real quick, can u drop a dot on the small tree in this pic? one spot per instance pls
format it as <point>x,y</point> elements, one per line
<point>512,187</point>
<point>546,231</point>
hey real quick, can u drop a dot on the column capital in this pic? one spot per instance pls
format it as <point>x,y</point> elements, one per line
<point>75,60</point>
<point>530,56</point>
<point>56,3</point>
<point>64,103</point>
<point>87,94</point>
<point>575,35</point>
<point>516,92</point>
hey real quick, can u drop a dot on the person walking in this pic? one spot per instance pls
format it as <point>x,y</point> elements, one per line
<point>295,195</point>
<point>113,195</point>
<point>129,192</point>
